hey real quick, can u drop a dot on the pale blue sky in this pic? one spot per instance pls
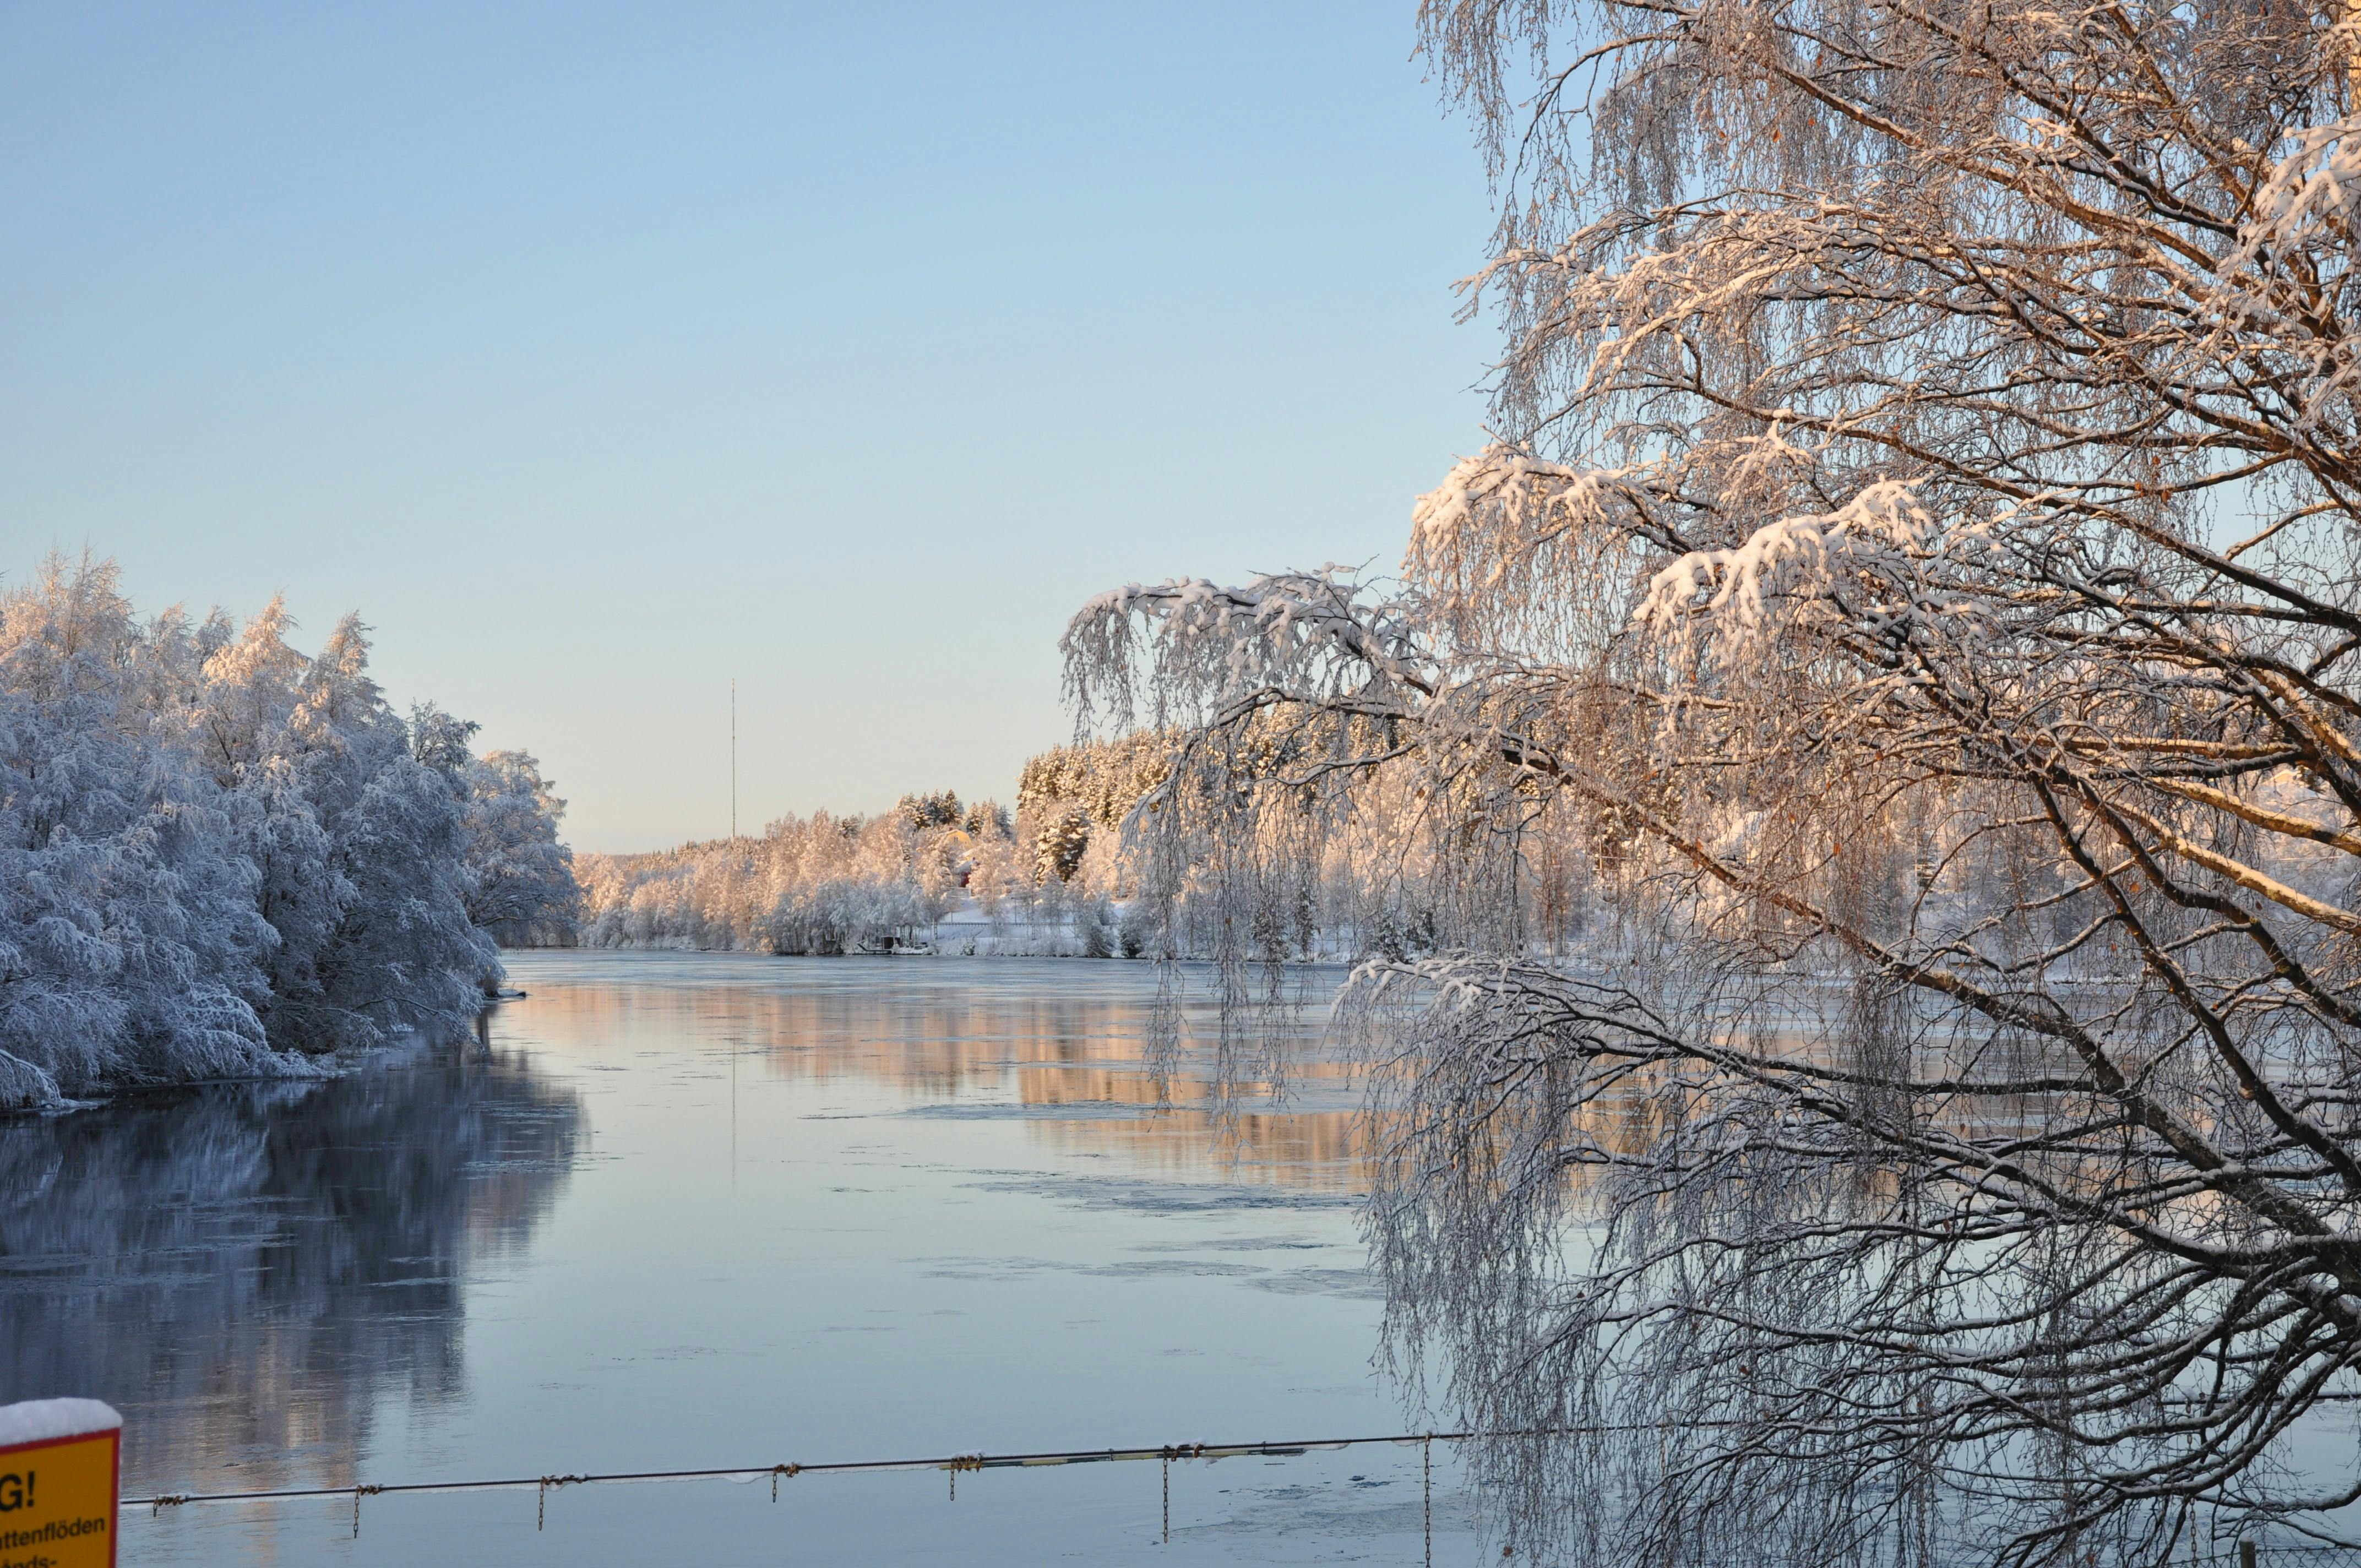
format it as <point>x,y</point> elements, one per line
<point>598,353</point>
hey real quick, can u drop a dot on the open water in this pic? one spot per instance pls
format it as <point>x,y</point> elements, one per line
<point>694,1210</point>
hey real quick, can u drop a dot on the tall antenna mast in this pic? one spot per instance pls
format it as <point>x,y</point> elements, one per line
<point>733,759</point>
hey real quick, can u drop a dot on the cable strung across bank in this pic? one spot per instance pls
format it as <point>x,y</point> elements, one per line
<point>953,1462</point>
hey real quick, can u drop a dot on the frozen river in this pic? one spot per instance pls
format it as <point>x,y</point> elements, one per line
<point>719,1210</point>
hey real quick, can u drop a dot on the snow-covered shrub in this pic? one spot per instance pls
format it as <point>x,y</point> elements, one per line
<point>1094,928</point>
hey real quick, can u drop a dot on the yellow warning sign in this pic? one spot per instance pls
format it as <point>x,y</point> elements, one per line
<point>57,1502</point>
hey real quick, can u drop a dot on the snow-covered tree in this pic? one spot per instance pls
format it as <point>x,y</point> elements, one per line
<point>218,857</point>
<point>1909,623</point>
<point>521,885</point>
<point>940,809</point>
<point>363,874</point>
<point>129,941</point>
<point>1059,843</point>
<point>998,879</point>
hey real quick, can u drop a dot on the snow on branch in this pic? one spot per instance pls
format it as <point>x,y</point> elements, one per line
<point>1880,563</point>
<point>2311,193</point>
<point>1198,644</point>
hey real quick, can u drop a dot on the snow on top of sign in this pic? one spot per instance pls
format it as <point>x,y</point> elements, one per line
<point>37,1421</point>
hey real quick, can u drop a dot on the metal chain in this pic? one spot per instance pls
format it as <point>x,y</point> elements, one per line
<point>1426,1490</point>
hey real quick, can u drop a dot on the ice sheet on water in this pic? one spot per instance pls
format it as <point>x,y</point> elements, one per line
<point>1142,1268</point>
<point>1350,1282</point>
<point>1052,1110</point>
<point>1158,1196</point>
<point>1357,1282</point>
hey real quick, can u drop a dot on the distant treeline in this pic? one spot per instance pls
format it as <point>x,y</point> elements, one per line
<point>821,884</point>
<point>1038,878</point>
<point>220,857</point>
<point>1054,876</point>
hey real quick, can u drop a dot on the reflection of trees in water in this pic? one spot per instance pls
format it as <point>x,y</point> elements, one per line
<point>240,1269</point>
<point>1309,1138</point>
<point>937,1035</point>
